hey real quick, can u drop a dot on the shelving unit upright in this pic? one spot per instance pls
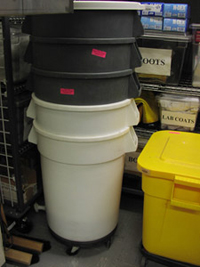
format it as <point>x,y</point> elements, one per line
<point>13,195</point>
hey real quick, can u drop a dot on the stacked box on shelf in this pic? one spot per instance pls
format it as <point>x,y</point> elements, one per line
<point>178,112</point>
<point>130,165</point>
<point>163,52</point>
<point>29,185</point>
<point>176,17</point>
<point>175,25</point>
<point>165,17</point>
<point>151,16</point>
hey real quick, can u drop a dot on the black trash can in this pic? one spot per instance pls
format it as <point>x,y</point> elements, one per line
<point>83,54</point>
<point>84,89</point>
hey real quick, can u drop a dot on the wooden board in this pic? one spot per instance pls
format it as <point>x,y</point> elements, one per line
<point>26,243</point>
<point>18,256</point>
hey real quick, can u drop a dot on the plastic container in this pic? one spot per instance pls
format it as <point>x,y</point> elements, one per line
<point>178,112</point>
<point>91,19</point>
<point>83,120</point>
<point>19,43</point>
<point>88,198</point>
<point>83,177</point>
<point>82,88</point>
<point>85,55</point>
<point>163,57</point>
<point>81,150</point>
<point>170,170</point>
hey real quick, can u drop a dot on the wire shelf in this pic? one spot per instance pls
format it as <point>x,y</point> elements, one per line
<point>184,88</point>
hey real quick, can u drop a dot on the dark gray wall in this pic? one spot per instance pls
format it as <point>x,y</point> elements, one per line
<point>194,4</point>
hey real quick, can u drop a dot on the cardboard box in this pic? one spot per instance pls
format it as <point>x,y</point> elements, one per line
<point>181,11</point>
<point>131,161</point>
<point>130,165</point>
<point>29,185</point>
<point>152,9</point>
<point>175,25</point>
<point>9,191</point>
<point>152,23</point>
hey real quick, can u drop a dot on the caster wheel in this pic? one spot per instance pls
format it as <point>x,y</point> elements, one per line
<point>24,226</point>
<point>72,251</point>
<point>108,243</point>
<point>143,262</point>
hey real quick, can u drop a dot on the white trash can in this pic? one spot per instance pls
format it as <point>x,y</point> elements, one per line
<point>87,121</point>
<point>82,180</point>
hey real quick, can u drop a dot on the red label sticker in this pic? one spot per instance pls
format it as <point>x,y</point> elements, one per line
<point>65,91</point>
<point>174,132</point>
<point>98,53</point>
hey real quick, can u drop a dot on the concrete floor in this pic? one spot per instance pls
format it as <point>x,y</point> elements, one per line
<point>123,252</point>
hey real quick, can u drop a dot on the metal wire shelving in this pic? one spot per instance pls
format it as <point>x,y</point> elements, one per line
<point>20,181</point>
<point>132,182</point>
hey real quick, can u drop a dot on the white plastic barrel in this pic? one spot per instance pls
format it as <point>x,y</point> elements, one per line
<point>83,150</point>
<point>82,178</point>
<point>82,201</point>
<point>87,121</point>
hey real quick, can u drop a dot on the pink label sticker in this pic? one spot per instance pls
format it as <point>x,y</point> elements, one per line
<point>174,132</point>
<point>98,53</point>
<point>65,91</point>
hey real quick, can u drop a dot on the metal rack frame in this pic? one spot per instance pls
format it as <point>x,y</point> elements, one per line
<point>184,88</point>
<point>10,150</point>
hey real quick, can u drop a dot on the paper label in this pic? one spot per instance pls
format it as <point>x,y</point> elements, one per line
<point>178,118</point>
<point>131,161</point>
<point>66,91</point>
<point>155,61</point>
<point>98,53</point>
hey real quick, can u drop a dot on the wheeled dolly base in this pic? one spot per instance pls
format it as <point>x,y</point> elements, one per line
<point>149,257</point>
<point>73,247</point>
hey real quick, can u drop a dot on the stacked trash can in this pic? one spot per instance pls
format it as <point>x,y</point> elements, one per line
<point>84,85</point>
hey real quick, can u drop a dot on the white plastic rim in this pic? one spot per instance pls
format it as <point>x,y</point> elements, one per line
<point>80,139</point>
<point>78,108</point>
<point>83,151</point>
<point>83,120</point>
<point>82,202</point>
<point>107,5</point>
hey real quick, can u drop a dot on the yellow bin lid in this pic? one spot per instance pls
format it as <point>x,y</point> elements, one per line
<point>171,153</point>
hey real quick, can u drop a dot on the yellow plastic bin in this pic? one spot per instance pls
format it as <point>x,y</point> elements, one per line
<point>170,166</point>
